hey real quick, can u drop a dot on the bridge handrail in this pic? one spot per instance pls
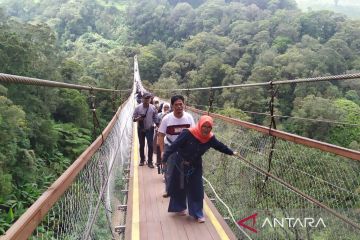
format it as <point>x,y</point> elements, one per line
<point>27,223</point>
<point>345,152</point>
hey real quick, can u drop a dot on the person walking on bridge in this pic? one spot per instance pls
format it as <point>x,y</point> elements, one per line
<point>171,126</point>
<point>161,115</point>
<point>186,182</point>
<point>145,115</point>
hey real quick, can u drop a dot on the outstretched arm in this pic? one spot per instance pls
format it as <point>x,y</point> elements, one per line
<point>219,146</point>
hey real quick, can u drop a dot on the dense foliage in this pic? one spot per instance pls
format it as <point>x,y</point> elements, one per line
<point>42,131</point>
<point>192,43</point>
<point>235,42</point>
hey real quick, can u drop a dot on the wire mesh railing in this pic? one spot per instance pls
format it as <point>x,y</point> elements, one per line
<point>83,202</point>
<point>326,200</point>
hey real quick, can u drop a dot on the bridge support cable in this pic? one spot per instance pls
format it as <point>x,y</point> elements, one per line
<point>211,100</point>
<point>96,123</point>
<point>308,178</point>
<point>246,85</point>
<point>272,125</point>
<point>8,78</point>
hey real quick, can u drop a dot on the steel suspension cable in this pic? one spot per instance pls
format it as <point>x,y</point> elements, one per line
<point>285,116</point>
<point>8,78</point>
<point>300,80</point>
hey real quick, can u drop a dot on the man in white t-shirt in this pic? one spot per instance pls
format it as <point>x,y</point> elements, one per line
<point>171,126</point>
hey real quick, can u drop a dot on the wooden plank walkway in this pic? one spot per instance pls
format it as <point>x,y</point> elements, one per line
<point>152,221</point>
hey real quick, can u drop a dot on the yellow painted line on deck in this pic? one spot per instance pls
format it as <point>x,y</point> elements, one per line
<point>219,229</point>
<point>135,225</point>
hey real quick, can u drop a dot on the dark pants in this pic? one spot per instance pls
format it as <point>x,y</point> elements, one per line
<point>170,165</point>
<point>186,188</point>
<point>149,135</point>
<point>158,155</point>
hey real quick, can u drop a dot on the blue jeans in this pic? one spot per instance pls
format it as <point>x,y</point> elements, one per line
<point>149,135</point>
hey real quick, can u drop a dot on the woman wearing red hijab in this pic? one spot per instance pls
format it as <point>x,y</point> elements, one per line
<point>186,182</point>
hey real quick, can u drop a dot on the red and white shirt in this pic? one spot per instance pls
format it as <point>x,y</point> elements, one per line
<point>172,126</point>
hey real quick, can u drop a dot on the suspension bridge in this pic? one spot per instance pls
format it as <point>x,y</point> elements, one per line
<point>283,186</point>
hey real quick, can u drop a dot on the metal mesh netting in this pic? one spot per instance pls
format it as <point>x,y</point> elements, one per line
<point>328,178</point>
<point>88,209</point>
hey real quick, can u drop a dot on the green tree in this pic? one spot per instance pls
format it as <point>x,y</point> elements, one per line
<point>332,62</point>
<point>347,135</point>
<point>187,61</point>
<point>282,4</point>
<point>233,113</point>
<point>72,141</point>
<point>341,47</point>
<point>147,20</point>
<point>244,65</point>
<point>72,108</point>
<point>209,15</point>
<point>13,145</point>
<point>150,66</point>
<point>352,95</point>
<point>281,44</point>
<point>263,74</point>
<point>206,45</point>
<point>295,63</point>
<point>181,20</point>
<point>320,25</point>
<point>316,108</point>
<point>71,71</point>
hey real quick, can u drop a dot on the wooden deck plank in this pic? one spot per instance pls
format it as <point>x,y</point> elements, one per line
<point>151,180</point>
<point>154,230</point>
<point>171,227</point>
<point>195,229</point>
<point>220,219</point>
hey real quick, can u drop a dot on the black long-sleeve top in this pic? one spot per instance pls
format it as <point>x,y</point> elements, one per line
<point>190,149</point>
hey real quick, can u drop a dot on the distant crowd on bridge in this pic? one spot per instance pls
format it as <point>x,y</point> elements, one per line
<point>171,133</point>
